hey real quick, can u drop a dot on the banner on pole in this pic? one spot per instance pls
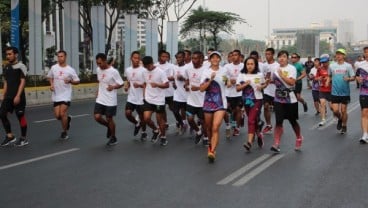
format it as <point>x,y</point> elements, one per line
<point>14,29</point>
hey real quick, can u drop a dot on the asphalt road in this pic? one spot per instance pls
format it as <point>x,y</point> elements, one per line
<point>330,171</point>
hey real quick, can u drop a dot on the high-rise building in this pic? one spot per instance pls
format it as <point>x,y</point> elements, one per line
<point>345,31</point>
<point>141,31</point>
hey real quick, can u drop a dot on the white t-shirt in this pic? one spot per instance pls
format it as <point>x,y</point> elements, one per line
<point>195,98</point>
<point>290,72</point>
<point>106,77</point>
<point>180,95</point>
<point>272,68</point>
<point>263,68</point>
<point>155,95</point>
<point>215,98</point>
<point>168,68</point>
<point>233,72</point>
<point>255,81</point>
<point>62,91</point>
<point>135,75</point>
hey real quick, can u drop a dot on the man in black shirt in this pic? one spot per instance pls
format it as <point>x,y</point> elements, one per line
<point>14,98</point>
<point>308,66</point>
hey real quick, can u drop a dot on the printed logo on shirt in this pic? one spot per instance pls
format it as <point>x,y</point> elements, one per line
<point>61,73</point>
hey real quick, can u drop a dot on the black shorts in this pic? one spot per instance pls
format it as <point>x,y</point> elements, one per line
<point>315,95</point>
<point>363,99</point>
<point>154,108</point>
<point>340,99</point>
<point>169,100</point>
<point>234,102</point>
<point>7,106</point>
<point>191,111</point>
<point>325,95</point>
<point>298,87</point>
<point>134,107</point>
<point>287,111</point>
<point>268,99</point>
<point>108,111</point>
<point>67,103</point>
<point>179,105</point>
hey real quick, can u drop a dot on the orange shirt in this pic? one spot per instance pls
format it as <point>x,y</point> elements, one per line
<point>323,73</point>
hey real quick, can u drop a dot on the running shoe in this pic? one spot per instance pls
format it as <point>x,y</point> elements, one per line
<point>155,136</point>
<point>343,130</point>
<point>305,107</point>
<point>112,141</point>
<point>143,136</point>
<point>136,129</point>
<point>339,124</point>
<point>260,141</point>
<point>205,142</point>
<point>69,121</point>
<point>317,113</point>
<point>228,132</point>
<point>191,131</point>
<point>247,146</point>
<point>275,149</point>
<point>64,136</point>
<point>164,142</point>
<point>236,132</point>
<point>8,140</point>
<point>198,138</point>
<point>211,156</point>
<point>21,142</point>
<point>298,143</point>
<point>167,126</point>
<point>363,140</point>
<point>267,129</point>
<point>322,123</point>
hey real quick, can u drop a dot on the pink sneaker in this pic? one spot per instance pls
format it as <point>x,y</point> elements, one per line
<point>298,143</point>
<point>267,129</point>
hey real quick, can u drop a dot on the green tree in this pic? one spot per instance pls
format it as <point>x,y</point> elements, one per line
<point>201,21</point>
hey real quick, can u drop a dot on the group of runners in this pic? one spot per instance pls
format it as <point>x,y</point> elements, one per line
<point>201,93</point>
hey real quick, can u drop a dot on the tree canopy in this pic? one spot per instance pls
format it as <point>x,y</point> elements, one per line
<point>201,21</point>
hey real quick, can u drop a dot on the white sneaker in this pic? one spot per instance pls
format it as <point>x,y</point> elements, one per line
<point>363,140</point>
<point>322,123</point>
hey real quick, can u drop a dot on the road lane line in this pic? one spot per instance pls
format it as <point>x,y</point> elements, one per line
<point>258,170</point>
<point>38,158</point>
<point>53,119</point>
<point>244,169</point>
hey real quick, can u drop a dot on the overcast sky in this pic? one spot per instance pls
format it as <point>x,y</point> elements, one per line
<point>292,13</point>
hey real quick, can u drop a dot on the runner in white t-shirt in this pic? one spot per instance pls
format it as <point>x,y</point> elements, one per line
<point>251,82</point>
<point>180,93</point>
<point>269,91</point>
<point>155,84</point>
<point>196,97</point>
<point>61,76</point>
<point>134,86</point>
<point>234,98</point>
<point>168,68</point>
<point>109,80</point>
<point>285,102</point>
<point>213,83</point>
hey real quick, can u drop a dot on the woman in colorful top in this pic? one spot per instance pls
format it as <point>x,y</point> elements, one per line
<point>315,84</point>
<point>324,87</point>
<point>285,103</point>
<point>362,79</point>
<point>251,82</point>
<point>214,80</point>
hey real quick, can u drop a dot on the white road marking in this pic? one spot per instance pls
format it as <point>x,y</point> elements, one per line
<point>53,119</point>
<point>38,158</point>
<point>244,169</point>
<point>258,170</point>
<point>330,121</point>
